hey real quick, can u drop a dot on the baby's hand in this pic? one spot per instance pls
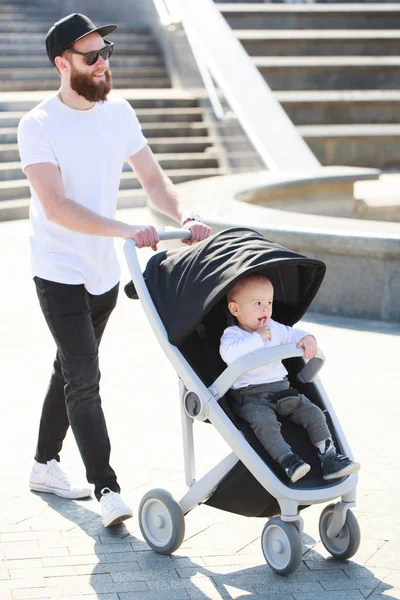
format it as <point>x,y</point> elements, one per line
<point>309,343</point>
<point>265,332</point>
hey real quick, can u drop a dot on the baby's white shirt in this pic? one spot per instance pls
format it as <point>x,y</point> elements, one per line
<point>235,342</point>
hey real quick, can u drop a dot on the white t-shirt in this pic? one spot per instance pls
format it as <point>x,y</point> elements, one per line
<point>235,342</point>
<point>89,147</point>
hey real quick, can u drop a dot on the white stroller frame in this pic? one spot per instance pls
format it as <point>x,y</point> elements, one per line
<point>339,533</point>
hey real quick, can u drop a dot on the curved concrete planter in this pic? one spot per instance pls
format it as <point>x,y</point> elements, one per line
<point>362,257</point>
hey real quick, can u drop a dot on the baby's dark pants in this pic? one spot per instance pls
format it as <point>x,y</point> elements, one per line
<point>255,405</point>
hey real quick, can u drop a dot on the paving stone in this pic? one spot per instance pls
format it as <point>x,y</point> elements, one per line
<point>91,597</point>
<point>163,595</point>
<point>368,585</point>
<point>123,537</point>
<point>28,594</point>
<point>290,586</point>
<point>42,572</point>
<point>101,548</point>
<point>387,593</point>
<point>393,578</point>
<point>117,567</point>
<point>144,575</point>
<point>151,560</point>
<point>335,578</point>
<point>122,557</point>
<point>321,563</point>
<point>25,563</point>
<point>110,588</point>
<point>93,579</point>
<point>361,572</point>
<point>155,585</point>
<point>13,528</point>
<point>139,546</point>
<point>188,572</point>
<point>213,561</point>
<point>13,584</point>
<point>338,595</point>
<point>86,559</point>
<point>209,590</point>
<point>25,536</point>
<point>387,556</point>
<point>32,550</point>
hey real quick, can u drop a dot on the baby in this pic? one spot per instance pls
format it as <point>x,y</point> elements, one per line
<point>259,394</point>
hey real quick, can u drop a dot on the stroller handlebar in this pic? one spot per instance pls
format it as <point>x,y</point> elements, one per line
<point>174,234</point>
<point>167,234</point>
<point>264,356</point>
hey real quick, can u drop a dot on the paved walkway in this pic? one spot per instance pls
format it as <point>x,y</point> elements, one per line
<point>52,548</point>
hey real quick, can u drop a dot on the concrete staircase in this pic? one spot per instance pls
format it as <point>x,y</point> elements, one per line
<point>171,119</point>
<point>335,70</point>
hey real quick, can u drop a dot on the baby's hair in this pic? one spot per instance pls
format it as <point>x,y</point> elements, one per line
<point>247,279</point>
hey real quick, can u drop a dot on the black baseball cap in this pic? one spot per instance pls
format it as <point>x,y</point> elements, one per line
<point>70,29</point>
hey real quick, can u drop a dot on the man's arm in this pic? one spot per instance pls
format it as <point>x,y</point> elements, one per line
<point>46,179</point>
<point>162,192</point>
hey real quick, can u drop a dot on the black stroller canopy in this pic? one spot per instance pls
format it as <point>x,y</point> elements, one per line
<point>185,284</point>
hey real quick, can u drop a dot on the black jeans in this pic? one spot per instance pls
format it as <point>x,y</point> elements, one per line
<point>77,321</point>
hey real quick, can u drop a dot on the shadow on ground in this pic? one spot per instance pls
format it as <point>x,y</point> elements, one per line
<point>120,563</point>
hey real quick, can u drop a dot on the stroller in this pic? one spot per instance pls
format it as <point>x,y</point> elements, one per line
<point>192,283</point>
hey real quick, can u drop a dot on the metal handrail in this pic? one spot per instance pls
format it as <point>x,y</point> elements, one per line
<point>169,16</point>
<point>229,69</point>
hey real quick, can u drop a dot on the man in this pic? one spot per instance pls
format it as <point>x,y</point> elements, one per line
<point>73,146</point>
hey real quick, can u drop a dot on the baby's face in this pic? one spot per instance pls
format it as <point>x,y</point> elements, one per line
<point>252,305</point>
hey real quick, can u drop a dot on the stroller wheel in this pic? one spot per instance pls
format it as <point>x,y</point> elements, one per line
<point>281,546</point>
<point>161,521</point>
<point>347,542</point>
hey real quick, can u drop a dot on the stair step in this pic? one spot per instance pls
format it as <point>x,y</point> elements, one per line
<point>19,207</point>
<point>350,131</point>
<point>8,135</point>
<point>145,116</point>
<point>140,99</point>
<point>287,42</point>
<point>11,171</point>
<point>162,130</point>
<point>318,107</point>
<point>156,115</point>
<point>48,73</point>
<point>9,152</point>
<point>118,61</point>
<point>41,27</point>
<point>38,39</point>
<point>311,16</point>
<point>19,188</point>
<point>118,83</point>
<point>327,72</point>
<point>375,146</point>
<point>28,50</point>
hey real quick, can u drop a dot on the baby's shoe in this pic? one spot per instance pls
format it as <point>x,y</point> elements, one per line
<point>294,467</point>
<point>336,465</point>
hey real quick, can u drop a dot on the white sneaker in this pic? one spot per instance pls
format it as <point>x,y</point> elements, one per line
<point>113,508</point>
<point>51,478</point>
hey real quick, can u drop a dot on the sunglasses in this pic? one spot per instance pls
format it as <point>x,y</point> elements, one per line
<point>93,56</point>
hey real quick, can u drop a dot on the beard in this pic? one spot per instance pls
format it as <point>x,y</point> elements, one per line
<point>83,84</point>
